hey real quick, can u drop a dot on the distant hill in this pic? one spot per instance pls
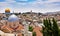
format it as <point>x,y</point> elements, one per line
<point>32,13</point>
<point>53,13</point>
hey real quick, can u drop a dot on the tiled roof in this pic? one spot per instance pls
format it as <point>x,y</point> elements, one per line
<point>37,30</point>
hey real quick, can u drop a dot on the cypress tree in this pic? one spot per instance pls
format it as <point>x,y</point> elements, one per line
<point>45,27</point>
<point>55,28</point>
<point>49,28</point>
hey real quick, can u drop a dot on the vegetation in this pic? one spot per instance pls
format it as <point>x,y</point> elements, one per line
<point>22,34</point>
<point>50,28</point>
<point>30,28</point>
<point>34,34</point>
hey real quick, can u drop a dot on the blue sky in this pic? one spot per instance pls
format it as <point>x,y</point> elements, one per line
<point>27,5</point>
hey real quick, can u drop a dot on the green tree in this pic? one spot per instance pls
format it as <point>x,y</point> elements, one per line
<point>30,28</point>
<point>50,28</point>
<point>44,28</point>
<point>59,32</point>
<point>55,28</point>
<point>34,34</point>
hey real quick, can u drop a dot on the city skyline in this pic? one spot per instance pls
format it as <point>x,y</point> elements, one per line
<point>27,5</point>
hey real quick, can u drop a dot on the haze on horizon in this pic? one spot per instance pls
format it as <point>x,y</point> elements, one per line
<point>42,6</point>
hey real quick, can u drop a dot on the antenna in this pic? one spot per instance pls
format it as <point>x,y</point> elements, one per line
<point>13,12</point>
<point>31,10</point>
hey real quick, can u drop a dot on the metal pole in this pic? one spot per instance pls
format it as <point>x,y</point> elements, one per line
<point>15,34</point>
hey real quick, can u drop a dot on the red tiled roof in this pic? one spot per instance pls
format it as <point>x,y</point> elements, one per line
<point>37,30</point>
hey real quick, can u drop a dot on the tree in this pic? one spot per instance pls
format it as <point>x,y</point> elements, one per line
<point>30,28</point>
<point>55,28</point>
<point>44,28</point>
<point>34,34</point>
<point>50,28</point>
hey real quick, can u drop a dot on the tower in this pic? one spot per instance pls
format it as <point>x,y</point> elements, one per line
<point>26,28</point>
<point>31,11</point>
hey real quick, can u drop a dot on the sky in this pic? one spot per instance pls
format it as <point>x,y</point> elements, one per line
<point>42,6</point>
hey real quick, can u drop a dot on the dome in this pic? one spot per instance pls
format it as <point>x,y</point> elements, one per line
<point>13,18</point>
<point>7,10</point>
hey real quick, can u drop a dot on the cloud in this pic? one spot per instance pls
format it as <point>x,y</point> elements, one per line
<point>25,1</point>
<point>35,5</point>
<point>2,0</point>
<point>54,0</point>
<point>9,0</point>
<point>21,0</point>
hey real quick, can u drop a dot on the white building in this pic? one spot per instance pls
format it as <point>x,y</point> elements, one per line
<point>6,34</point>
